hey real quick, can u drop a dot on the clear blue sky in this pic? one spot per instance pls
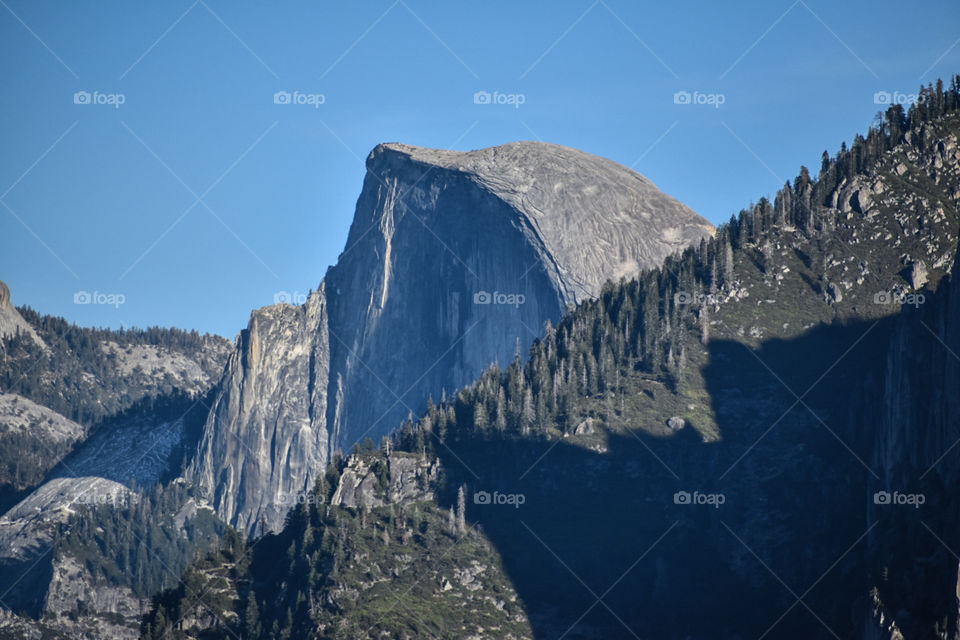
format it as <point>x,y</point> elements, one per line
<point>97,197</point>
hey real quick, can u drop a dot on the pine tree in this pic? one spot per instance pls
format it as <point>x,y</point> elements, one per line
<point>461,511</point>
<point>452,523</point>
<point>480,419</point>
<point>252,618</point>
<point>501,423</point>
<point>727,261</point>
<point>704,325</point>
<point>528,415</point>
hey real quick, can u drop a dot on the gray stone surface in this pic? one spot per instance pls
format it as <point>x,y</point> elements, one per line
<point>410,479</point>
<point>21,415</point>
<point>265,439</point>
<point>27,533</point>
<point>11,322</point>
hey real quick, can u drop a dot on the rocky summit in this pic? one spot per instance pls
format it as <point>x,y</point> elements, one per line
<point>11,322</point>
<point>454,260</point>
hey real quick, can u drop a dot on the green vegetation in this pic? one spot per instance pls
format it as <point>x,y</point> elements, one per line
<point>81,379</point>
<point>144,543</point>
<point>347,573</point>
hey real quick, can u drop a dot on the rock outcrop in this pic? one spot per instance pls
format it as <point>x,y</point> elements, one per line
<point>265,438</point>
<point>406,479</point>
<point>454,260</point>
<point>28,530</point>
<point>11,322</point>
<point>33,439</point>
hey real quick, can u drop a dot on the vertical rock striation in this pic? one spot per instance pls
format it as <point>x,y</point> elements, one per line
<point>265,436</point>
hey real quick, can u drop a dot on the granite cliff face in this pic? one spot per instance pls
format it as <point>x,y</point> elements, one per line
<point>464,255</point>
<point>11,322</point>
<point>468,254</point>
<point>916,578</point>
<point>265,437</point>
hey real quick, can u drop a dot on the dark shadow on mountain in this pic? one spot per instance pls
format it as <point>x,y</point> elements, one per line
<point>149,442</point>
<point>631,541</point>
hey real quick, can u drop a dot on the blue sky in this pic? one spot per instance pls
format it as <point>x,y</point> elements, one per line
<point>198,198</point>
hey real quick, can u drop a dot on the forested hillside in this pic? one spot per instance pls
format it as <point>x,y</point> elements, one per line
<point>88,374</point>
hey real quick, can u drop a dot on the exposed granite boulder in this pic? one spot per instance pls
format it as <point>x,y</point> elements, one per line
<point>112,611</point>
<point>676,423</point>
<point>409,479</point>
<point>919,274</point>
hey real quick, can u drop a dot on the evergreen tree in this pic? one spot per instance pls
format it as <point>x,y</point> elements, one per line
<point>461,511</point>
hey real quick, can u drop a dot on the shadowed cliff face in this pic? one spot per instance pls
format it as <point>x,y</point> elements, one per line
<point>466,255</point>
<point>604,545</point>
<point>454,260</point>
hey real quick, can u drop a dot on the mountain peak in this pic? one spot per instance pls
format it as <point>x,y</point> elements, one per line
<point>586,211</point>
<point>466,254</point>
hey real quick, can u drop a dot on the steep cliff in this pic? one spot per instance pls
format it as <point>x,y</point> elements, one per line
<point>454,260</point>
<point>466,255</point>
<point>916,584</point>
<point>265,437</point>
<point>11,322</point>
